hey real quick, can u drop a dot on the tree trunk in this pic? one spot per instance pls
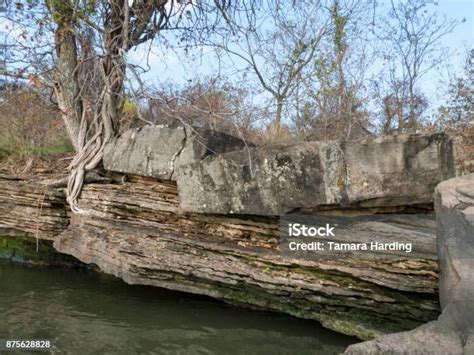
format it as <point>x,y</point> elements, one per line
<point>412,116</point>
<point>108,105</point>
<point>67,88</point>
<point>278,114</point>
<point>114,67</point>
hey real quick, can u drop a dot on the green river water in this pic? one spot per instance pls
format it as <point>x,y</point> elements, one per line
<point>84,312</point>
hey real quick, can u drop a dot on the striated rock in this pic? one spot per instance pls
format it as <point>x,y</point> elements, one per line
<point>226,244</point>
<point>388,171</point>
<point>31,209</point>
<point>336,293</point>
<point>142,238</point>
<point>157,151</point>
<point>141,235</point>
<point>453,332</point>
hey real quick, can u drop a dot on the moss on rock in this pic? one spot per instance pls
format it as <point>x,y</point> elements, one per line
<point>31,251</point>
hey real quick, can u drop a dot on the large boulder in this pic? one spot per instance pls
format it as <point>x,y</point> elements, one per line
<point>158,151</point>
<point>387,171</point>
<point>454,202</point>
<point>453,332</point>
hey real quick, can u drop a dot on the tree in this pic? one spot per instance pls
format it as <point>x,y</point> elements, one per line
<point>61,39</point>
<point>276,44</point>
<point>210,102</point>
<point>397,106</point>
<point>332,98</point>
<point>458,112</point>
<point>411,35</point>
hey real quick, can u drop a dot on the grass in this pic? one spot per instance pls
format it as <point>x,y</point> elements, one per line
<point>15,158</point>
<point>12,150</point>
<point>62,148</point>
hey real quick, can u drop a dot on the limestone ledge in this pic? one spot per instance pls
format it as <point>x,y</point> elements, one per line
<point>143,237</point>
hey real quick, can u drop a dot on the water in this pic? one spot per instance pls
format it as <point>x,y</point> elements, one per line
<point>89,313</point>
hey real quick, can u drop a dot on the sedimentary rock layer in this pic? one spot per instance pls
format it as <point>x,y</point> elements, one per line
<point>140,235</point>
<point>31,208</point>
<point>221,174</point>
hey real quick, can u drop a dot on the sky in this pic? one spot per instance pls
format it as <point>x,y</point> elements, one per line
<point>461,39</point>
<point>168,66</point>
<point>463,36</point>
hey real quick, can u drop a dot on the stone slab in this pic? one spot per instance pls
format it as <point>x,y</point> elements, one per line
<point>158,151</point>
<point>387,171</point>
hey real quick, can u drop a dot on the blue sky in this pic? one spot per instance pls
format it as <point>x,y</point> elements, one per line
<point>459,40</point>
<point>463,35</point>
<point>459,9</point>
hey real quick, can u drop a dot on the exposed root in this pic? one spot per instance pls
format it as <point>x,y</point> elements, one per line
<point>91,145</point>
<point>90,177</point>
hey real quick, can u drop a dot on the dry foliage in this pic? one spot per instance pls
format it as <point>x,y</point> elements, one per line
<point>208,103</point>
<point>32,134</point>
<point>464,151</point>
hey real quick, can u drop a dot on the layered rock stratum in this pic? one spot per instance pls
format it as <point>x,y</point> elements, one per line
<point>381,172</point>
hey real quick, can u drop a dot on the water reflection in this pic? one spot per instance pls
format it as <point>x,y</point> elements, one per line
<point>89,313</point>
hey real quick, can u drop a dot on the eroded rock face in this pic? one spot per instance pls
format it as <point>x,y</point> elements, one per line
<point>221,174</point>
<point>158,151</point>
<point>454,201</point>
<point>141,235</point>
<point>30,209</point>
<point>142,238</point>
<point>453,332</point>
<point>387,171</point>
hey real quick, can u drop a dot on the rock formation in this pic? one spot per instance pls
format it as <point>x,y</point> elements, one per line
<point>143,238</point>
<point>220,174</point>
<point>453,331</point>
<point>158,151</point>
<point>28,208</point>
<point>215,231</point>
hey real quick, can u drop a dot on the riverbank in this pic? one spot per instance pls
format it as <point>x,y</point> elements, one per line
<point>142,238</point>
<point>143,230</point>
